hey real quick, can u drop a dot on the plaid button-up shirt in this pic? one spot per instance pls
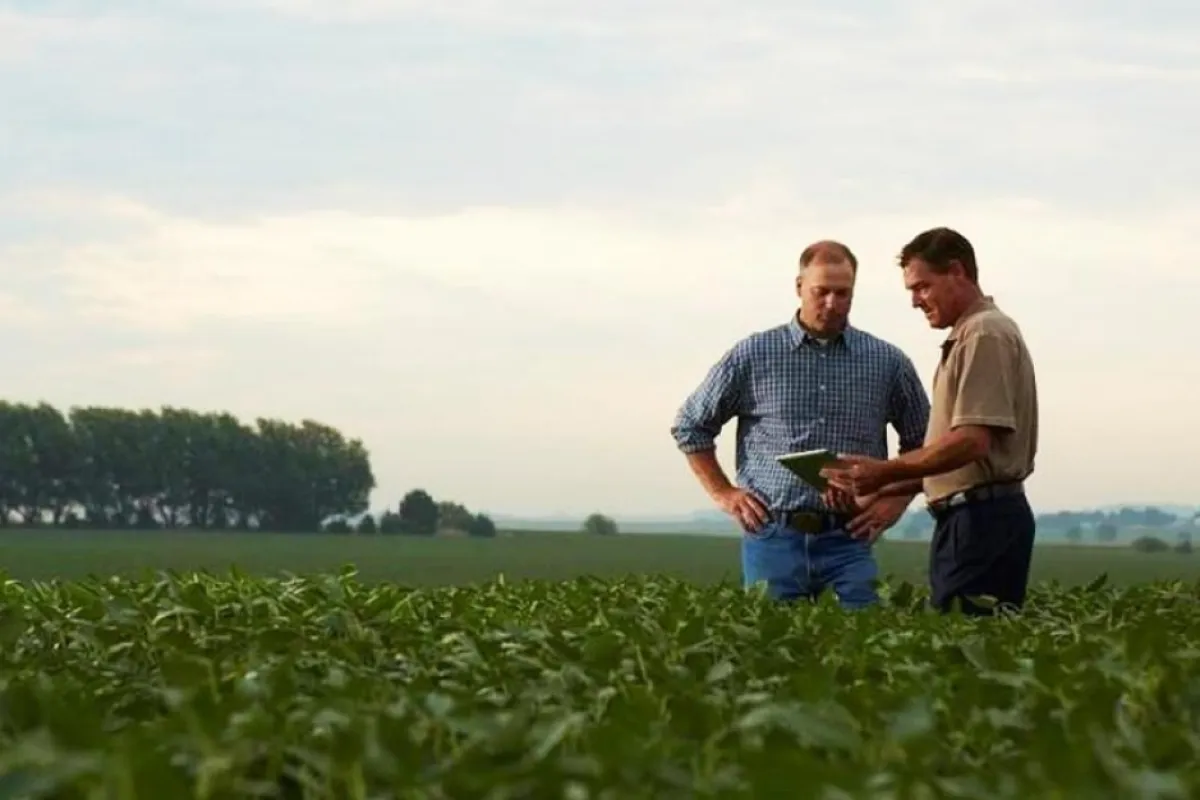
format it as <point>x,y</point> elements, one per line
<point>790,391</point>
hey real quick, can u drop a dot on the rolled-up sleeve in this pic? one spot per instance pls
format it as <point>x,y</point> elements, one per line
<point>908,406</point>
<point>714,402</point>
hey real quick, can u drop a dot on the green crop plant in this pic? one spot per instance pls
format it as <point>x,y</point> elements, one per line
<point>227,686</point>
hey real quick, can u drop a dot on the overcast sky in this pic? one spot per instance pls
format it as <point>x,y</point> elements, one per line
<point>500,240</point>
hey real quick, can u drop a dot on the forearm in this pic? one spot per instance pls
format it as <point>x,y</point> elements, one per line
<point>953,450</point>
<point>708,472</point>
<point>910,488</point>
<point>904,487</point>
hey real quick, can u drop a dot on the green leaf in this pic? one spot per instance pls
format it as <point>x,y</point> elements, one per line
<point>647,686</point>
<point>13,625</point>
<point>719,672</point>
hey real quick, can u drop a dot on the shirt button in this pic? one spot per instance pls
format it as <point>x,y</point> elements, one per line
<point>822,387</point>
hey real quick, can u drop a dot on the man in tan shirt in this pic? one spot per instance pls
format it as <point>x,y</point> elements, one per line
<point>982,436</point>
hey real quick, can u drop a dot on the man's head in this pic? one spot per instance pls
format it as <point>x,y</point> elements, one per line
<point>825,285</point>
<point>941,275</point>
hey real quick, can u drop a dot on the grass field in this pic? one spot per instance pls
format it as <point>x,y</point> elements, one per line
<point>49,554</point>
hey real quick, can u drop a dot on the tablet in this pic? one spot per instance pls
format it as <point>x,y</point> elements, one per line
<point>807,466</point>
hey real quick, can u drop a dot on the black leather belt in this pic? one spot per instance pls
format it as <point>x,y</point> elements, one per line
<point>814,522</point>
<point>976,494</point>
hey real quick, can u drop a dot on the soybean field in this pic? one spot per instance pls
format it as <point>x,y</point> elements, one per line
<point>481,669</point>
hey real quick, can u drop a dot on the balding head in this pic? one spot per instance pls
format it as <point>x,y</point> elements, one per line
<point>827,251</point>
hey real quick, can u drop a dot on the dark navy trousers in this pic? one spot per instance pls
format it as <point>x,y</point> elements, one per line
<point>982,548</point>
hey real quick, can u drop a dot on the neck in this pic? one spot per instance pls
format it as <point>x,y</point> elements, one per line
<point>970,296</point>
<point>813,330</point>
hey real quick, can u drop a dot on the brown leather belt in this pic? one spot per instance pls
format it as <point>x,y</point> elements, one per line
<point>814,522</point>
<point>976,494</point>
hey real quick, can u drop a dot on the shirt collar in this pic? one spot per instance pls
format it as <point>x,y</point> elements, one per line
<point>981,304</point>
<point>800,336</point>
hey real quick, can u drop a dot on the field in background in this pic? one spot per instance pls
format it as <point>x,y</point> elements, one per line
<point>50,554</point>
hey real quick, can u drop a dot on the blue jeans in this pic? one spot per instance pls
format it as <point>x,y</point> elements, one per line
<point>798,565</point>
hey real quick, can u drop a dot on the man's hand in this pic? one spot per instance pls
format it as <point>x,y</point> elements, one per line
<point>841,494</point>
<point>839,498</point>
<point>747,509</point>
<point>880,513</point>
<point>860,475</point>
<point>840,477</point>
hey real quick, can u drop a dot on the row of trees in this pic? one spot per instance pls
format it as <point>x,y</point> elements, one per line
<point>102,467</point>
<point>420,515</point>
<point>1107,533</point>
<point>1104,527</point>
<point>1129,517</point>
<point>111,468</point>
<point>1154,544</point>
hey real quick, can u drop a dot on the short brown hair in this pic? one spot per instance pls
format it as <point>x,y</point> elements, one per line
<point>938,247</point>
<point>827,251</point>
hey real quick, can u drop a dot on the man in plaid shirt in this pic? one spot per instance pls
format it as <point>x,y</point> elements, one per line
<point>812,382</point>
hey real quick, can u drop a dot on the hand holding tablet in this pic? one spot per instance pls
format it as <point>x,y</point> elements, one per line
<point>809,464</point>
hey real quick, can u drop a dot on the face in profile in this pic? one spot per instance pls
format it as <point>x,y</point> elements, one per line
<point>936,294</point>
<point>826,292</point>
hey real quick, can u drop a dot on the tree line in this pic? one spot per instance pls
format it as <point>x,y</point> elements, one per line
<point>1151,528</point>
<point>112,468</point>
<point>106,468</point>
<point>420,515</point>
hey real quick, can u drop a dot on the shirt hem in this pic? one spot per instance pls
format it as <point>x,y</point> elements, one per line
<point>993,422</point>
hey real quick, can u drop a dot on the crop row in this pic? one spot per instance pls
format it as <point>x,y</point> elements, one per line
<point>228,686</point>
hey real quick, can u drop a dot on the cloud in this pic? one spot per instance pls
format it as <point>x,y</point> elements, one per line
<point>549,317</point>
<point>253,107</point>
<point>180,365</point>
<point>626,290</point>
<point>471,230</point>
<point>26,34</point>
<point>593,273</point>
<point>15,312</point>
<point>619,19</point>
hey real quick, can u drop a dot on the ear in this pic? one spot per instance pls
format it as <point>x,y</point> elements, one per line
<point>956,269</point>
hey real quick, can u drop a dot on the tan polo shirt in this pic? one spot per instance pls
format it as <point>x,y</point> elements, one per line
<point>985,377</point>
